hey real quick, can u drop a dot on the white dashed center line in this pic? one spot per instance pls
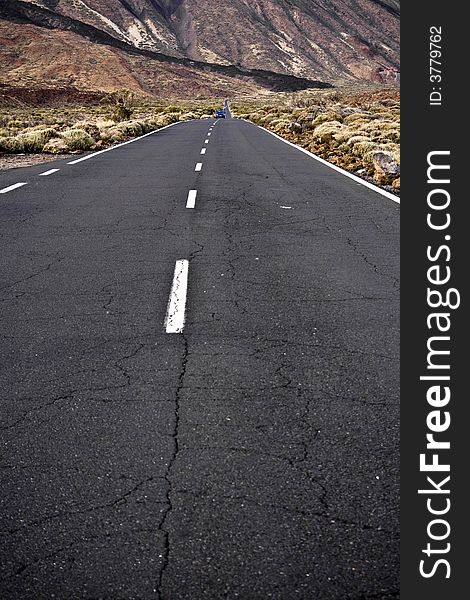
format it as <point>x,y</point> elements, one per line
<point>48,172</point>
<point>175,316</point>
<point>206,142</point>
<point>191,203</point>
<point>209,134</point>
<point>203,151</point>
<point>12,187</point>
<point>198,167</point>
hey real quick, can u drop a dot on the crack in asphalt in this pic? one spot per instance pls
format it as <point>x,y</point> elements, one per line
<point>167,477</point>
<point>25,566</point>
<point>176,447</point>
<point>365,258</point>
<point>73,393</point>
<point>110,299</point>
<point>46,518</point>
<point>23,279</point>
<point>124,372</point>
<point>15,297</point>
<point>26,413</point>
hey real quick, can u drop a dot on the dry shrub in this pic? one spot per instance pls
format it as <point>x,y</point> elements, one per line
<point>29,142</point>
<point>326,131</point>
<point>280,125</point>
<point>77,139</point>
<point>131,128</point>
<point>356,118</point>
<point>91,128</point>
<point>121,103</point>
<point>169,119</point>
<point>364,150</point>
<point>325,117</point>
<point>10,145</point>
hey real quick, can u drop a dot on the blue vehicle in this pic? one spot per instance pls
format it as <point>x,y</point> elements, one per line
<point>220,114</point>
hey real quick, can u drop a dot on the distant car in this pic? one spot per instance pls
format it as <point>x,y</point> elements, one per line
<point>220,114</point>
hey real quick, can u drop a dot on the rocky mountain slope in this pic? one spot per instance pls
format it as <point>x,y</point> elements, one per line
<point>207,45</point>
<point>39,46</point>
<point>317,39</point>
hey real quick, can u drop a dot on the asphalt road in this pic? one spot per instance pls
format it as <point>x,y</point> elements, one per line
<point>255,454</point>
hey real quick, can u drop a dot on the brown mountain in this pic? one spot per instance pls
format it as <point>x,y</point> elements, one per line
<point>213,46</point>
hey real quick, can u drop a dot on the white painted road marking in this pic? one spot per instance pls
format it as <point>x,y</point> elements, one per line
<point>206,142</point>
<point>334,167</point>
<point>286,206</point>
<point>198,167</point>
<point>203,151</point>
<point>48,172</point>
<point>209,134</point>
<point>175,315</point>
<point>191,203</point>
<point>12,187</point>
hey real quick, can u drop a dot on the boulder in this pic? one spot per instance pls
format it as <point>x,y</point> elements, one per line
<point>386,168</point>
<point>295,127</point>
<point>55,146</point>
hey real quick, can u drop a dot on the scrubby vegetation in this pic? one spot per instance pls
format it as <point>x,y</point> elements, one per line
<point>70,129</point>
<point>122,103</point>
<point>356,130</point>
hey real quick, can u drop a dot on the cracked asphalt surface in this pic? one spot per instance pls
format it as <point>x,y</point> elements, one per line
<point>253,456</point>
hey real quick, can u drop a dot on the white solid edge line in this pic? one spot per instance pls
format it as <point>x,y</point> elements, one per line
<point>12,187</point>
<point>191,203</point>
<point>74,162</point>
<point>203,151</point>
<point>198,167</point>
<point>334,167</point>
<point>176,311</point>
<point>48,172</point>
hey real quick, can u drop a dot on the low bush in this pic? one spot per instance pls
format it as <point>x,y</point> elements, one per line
<point>77,139</point>
<point>91,128</point>
<point>28,142</point>
<point>10,145</point>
